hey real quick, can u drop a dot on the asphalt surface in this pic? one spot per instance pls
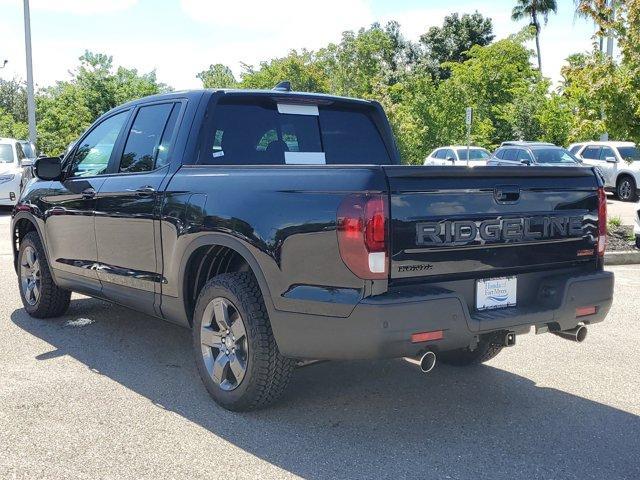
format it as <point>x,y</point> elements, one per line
<point>108,393</point>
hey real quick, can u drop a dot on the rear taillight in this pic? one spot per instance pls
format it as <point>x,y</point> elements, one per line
<point>363,236</point>
<point>602,221</point>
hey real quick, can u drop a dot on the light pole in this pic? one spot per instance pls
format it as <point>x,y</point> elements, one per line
<point>31,102</point>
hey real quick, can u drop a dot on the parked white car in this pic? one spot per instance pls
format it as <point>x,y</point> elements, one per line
<point>457,155</point>
<point>619,163</point>
<point>11,156</point>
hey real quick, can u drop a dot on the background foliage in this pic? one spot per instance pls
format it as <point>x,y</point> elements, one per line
<point>424,86</point>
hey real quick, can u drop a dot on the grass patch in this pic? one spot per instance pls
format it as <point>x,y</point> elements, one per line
<point>614,222</point>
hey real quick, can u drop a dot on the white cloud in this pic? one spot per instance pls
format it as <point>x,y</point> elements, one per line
<point>277,27</point>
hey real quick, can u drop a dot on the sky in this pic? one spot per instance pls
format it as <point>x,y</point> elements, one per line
<point>179,38</point>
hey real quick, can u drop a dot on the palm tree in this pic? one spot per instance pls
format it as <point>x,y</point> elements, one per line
<point>600,11</point>
<point>535,9</point>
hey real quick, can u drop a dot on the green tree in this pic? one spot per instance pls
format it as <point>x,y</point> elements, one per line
<point>9,127</point>
<point>452,41</point>
<point>66,109</point>
<point>217,76</point>
<point>363,61</point>
<point>535,10</point>
<point>300,68</point>
<point>13,99</point>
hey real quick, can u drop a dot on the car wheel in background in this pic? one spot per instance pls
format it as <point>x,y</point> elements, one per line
<point>626,189</point>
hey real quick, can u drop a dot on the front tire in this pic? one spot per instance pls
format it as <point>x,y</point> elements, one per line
<point>40,295</point>
<point>235,350</point>
<point>464,357</point>
<point>626,189</point>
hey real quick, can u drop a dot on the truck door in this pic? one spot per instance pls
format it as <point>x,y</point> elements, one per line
<point>70,205</point>
<point>128,204</point>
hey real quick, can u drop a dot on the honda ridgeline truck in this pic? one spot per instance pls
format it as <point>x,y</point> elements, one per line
<point>281,227</point>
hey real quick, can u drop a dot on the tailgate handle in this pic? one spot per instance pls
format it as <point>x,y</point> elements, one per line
<point>506,193</point>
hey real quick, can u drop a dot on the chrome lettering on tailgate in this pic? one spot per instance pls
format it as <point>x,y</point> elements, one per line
<point>523,229</point>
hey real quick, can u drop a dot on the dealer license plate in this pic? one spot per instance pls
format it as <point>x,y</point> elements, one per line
<point>496,293</point>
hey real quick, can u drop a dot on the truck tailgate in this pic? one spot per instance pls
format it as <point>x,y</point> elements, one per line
<point>470,222</point>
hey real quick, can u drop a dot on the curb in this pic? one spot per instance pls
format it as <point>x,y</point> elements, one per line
<point>622,258</point>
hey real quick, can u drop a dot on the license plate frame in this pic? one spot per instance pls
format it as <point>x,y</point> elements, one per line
<point>496,293</point>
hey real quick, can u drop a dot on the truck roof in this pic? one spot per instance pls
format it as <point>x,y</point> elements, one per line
<point>196,93</point>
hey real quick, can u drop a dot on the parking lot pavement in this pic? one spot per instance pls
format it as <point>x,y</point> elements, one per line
<point>117,396</point>
<point>627,211</point>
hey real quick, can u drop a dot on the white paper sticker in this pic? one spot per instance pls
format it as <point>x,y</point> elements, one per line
<point>298,109</point>
<point>304,158</point>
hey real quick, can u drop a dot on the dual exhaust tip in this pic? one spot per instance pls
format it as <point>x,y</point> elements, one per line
<point>427,361</point>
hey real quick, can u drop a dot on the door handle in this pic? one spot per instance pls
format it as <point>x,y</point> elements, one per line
<point>145,191</point>
<point>88,193</point>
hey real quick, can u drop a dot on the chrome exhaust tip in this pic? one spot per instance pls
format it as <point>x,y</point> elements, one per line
<point>577,334</point>
<point>426,361</point>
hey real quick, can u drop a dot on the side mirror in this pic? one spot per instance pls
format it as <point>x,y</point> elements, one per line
<point>611,160</point>
<point>48,168</point>
<point>525,162</point>
<point>450,159</point>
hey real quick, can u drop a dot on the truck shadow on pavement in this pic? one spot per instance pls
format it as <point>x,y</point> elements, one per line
<point>352,420</point>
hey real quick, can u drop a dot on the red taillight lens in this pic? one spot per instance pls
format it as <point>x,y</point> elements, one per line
<point>362,235</point>
<point>602,221</point>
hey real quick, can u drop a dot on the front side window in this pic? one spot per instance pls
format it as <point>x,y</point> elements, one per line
<point>257,132</point>
<point>441,154</point>
<point>149,138</point>
<point>19,152</point>
<point>591,153</point>
<point>523,156</point>
<point>511,154</point>
<point>93,153</point>
<point>474,154</point>
<point>607,152</point>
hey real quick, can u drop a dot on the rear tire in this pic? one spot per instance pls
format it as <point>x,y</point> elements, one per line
<point>626,189</point>
<point>235,350</point>
<point>40,295</point>
<point>464,357</point>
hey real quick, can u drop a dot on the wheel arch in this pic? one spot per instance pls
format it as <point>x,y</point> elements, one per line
<point>22,224</point>
<point>213,254</point>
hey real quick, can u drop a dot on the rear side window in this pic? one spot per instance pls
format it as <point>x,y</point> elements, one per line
<point>148,142</point>
<point>260,132</point>
<point>592,153</point>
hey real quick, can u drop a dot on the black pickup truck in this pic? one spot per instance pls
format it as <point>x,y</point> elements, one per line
<point>280,227</point>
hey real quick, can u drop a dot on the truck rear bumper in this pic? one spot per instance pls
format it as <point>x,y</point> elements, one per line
<point>381,326</point>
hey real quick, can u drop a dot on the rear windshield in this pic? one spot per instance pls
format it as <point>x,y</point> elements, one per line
<point>261,132</point>
<point>474,154</point>
<point>553,155</point>
<point>629,153</point>
<point>6,153</point>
